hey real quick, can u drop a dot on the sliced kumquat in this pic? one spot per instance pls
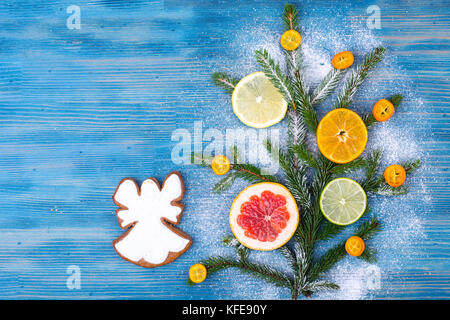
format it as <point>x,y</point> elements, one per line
<point>354,246</point>
<point>290,40</point>
<point>197,273</point>
<point>395,175</point>
<point>220,165</point>
<point>343,60</point>
<point>383,110</point>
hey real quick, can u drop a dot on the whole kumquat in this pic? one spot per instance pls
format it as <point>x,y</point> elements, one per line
<point>383,110</point>
<point>220,165</point>
<point>354,246</point>
<point>343,60</point>
<point>395,175</point>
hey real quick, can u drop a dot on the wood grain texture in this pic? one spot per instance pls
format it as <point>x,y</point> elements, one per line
<point>82,109</point>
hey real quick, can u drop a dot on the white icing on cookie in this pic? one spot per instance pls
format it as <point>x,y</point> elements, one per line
<point>150,238</point>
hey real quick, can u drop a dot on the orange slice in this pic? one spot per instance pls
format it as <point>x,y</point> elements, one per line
<point>395,175</point>
<point>220,165</point>
<point>343,60</point>
<point>341,135</point>
<point>290,40</point>
<point>197,273</point>
<point>383,110</point>
<point>354,246</point>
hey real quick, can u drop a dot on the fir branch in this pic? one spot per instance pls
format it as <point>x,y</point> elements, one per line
<point>327,261</point>
<point>225,183</point>
<point>372,162</point>
<point>296,128</point>
<point>273,72</point>
<point>305,156</point>
<point>290,256</point>
<point>320,285</point>
<point>266,273</point>
<point>327,86</point>
<point>369,120</point>
<point>411,165</point>
<point>277,278</point>
<point>349,167</point>
<point>304,104</point>
<point>357,77</point>
<point>290,17</point>
<point>296,180</point>
<point>201,160</point>
<point>224,81</point>
<point>330,230</point>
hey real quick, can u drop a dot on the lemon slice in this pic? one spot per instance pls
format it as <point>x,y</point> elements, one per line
<point>257,103</point>
<point>343,201</point>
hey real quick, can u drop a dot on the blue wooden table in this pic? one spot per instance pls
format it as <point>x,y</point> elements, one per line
<point>82,108</point>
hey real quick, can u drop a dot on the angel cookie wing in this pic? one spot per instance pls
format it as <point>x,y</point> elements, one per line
<point>150,212</point>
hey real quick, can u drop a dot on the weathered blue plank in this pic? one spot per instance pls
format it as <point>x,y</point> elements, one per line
<point>81,109</point>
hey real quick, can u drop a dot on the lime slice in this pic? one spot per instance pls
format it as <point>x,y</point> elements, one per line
<point>343,201</point>
<point>257,103</point>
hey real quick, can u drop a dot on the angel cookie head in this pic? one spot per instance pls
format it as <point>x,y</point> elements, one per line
<point>150,212</point>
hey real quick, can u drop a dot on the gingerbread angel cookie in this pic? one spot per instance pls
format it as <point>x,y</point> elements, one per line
<point>150,212</point>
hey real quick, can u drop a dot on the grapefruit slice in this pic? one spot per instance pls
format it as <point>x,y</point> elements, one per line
<point>264,216</point>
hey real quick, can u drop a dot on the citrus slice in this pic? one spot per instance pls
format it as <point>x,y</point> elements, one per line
<point>343,201</point>
<point>383,110</point>
<point>341,135</point>
<point>264,216</point>
<point>343,60</point>
<point>257,103</point>
<point>220,165</point>
<point>395,175</point>
<point>197,273</point>
<point>355,246</point>
<point>290,40</point>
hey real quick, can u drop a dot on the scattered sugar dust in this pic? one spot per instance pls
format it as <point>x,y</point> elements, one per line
<point>401,217</point>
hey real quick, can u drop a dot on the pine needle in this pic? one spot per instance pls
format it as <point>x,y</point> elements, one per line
<point>327,86</point>
<point>357,77</point>
<point>273,72</point>
<point>411,166</point>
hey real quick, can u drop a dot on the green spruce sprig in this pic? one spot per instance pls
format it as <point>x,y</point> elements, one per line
<point>273,71</point>
<point>327,85</point>
<point>369,119</point>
